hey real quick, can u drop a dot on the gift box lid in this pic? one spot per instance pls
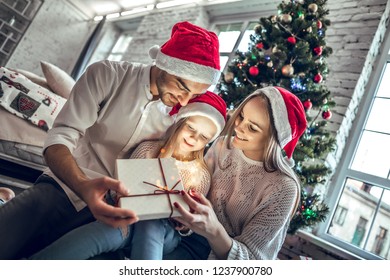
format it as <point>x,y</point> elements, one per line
<point>145,179</point>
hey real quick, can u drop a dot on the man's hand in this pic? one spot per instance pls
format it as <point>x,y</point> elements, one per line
<point>93,193</point>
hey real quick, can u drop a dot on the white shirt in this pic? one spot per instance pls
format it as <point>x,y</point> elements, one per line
<point>110,111</point>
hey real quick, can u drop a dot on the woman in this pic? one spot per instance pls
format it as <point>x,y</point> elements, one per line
<point>254,191</point>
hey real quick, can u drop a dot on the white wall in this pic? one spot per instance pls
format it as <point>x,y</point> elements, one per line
<point>57,35</point>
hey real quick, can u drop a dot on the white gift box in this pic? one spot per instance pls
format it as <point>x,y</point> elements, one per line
<point>150,197</point>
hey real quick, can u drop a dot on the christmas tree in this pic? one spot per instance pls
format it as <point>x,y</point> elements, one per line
<point>289,50</point>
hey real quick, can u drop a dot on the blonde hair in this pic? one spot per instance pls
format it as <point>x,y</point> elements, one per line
<point>170,143</point>
<point>274,159</point>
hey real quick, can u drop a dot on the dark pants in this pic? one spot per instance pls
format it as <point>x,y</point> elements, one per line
<point>36,217</point>
<point>193,247</point>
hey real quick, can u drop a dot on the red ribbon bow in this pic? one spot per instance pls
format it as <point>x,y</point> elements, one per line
<point>162,190</point>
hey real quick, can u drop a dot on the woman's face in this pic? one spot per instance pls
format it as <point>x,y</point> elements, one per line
<point>252,129</point>
<point>195,134</point>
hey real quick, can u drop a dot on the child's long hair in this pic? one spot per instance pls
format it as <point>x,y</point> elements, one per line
<point>170,143</point>
<point>274,158</point>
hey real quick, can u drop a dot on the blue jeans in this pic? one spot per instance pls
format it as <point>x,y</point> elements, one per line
<point>85,242</point>
<point>147,241</point>
<point>36,217</point>
<point>152,239</point>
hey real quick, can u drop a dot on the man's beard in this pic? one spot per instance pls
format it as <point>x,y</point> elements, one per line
<point>163,94</point>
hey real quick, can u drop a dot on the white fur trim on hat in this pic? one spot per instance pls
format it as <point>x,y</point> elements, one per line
<point>205,110</point>
<point>185,69</point>
<point>279,113</point>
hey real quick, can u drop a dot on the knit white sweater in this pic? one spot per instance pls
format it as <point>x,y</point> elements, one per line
<point>193,175</point>
<point>253,205</point>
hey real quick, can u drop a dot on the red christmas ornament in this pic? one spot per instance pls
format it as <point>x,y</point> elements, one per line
<point>260,45</point>
<point>254,71</point>
<point>307,105</point>
<point>326,115</point>
<point>292,40</point>
<point>318,78</point>
<point>318,50</point>
<point>319,24</point>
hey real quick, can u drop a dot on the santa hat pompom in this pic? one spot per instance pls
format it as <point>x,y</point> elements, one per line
<point>153,51</point>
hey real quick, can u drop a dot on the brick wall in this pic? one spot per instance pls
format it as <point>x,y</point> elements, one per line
<point>156,28</point>
<point>57,34</point>
<point>356,35</point>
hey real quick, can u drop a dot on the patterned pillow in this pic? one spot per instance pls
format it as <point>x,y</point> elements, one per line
<point>28,100</point>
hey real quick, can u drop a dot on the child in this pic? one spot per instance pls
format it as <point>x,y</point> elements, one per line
<point>254,192</point>
<point>196,124</point>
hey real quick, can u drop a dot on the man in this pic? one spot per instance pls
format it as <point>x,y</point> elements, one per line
<point>113,107</point>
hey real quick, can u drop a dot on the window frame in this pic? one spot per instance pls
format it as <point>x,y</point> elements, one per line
<point>343,172</point>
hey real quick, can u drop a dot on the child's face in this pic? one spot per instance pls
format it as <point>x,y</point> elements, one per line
<point>195,134</point>
<point>252,129</point>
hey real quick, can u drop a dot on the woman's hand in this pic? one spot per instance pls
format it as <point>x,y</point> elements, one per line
<point>202,219</point>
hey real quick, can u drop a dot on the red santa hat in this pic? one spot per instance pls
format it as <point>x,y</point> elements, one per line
<point>289,117</point>
<point>209,105</point>
<point>191,53</point>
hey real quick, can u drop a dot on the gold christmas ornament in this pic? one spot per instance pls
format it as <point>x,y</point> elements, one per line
<point>258,28</point>
<point>313,8</point>
<point>288,70</point>
<point>229,77</point>
<point>285,18</point>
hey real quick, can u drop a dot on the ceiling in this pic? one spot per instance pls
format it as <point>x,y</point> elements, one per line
<point>215,8</point>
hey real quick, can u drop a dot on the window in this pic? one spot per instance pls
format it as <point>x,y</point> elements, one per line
<point>362,182</point>
<point>120,47</point>
<point>339,217</point>
<point>233,37</point>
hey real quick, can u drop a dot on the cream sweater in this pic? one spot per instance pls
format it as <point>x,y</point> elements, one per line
<point>192,174</point>
<point>253,205</point>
